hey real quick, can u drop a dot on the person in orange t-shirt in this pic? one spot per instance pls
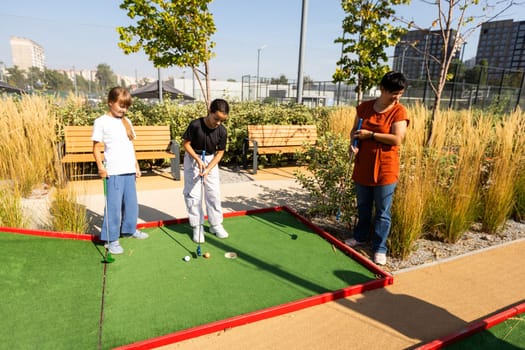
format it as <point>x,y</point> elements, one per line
<point>376,168</point>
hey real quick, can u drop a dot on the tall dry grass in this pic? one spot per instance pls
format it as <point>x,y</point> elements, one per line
<point>506,158</point>
<point>341,120</point>
<point>66,214</point>
<point>11,212</point>
<point>28,142</point>
<point>411,197</point>
<point>28,139</point>
<point>455,195</point>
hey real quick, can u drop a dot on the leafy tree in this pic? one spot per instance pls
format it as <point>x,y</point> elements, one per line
<point>82,84</point>
<point>282,80</point>
<point>35,78</point>
<point>176,32</point>
<point>477,74</point>
<point>455,24</point>
<point>57,81</point>
<point>105,77</point>
<point>16,77</point>
<point>367,32</point>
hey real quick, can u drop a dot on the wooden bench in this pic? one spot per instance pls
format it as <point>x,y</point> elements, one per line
<point>275,139</point>
<point>152,142</point>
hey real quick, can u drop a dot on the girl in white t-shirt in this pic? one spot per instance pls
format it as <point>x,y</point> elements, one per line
<point>113,134</point>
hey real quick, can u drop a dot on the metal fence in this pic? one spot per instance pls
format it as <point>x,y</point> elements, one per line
<point>455,95</point>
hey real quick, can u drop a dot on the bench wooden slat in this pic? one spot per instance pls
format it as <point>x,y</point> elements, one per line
<point>275,139</point>
<point>151,142</point>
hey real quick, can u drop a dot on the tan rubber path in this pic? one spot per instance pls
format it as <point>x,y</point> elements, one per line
<point>423,304</point>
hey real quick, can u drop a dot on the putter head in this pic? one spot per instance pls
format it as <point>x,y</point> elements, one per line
<point>109,258</point>
<point>199,252</point>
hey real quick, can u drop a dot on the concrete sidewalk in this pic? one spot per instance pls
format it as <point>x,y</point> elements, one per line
<point>160,197</point>
<point>423,304</point>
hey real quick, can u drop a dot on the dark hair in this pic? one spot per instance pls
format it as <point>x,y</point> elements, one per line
<point>394,81</point>
<point>219,105</point>
<point>119,94</point>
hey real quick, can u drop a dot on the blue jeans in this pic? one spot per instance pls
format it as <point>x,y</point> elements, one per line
<point>369,197</point>
<point>122,209</point>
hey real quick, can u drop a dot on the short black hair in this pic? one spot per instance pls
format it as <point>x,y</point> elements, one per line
<point>219,105</point>
<point>394,81</point>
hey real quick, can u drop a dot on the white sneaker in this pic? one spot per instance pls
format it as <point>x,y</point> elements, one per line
<point>380,258</point>
<point>351,242</point>
<point>140,235</point>
<point>114,247</point>
<point>219,231</point>
<point>198,234</point>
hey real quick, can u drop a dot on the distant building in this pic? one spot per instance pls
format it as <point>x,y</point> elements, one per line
<point>26,53</point>
<point>502,45</point>
<point>416,45</point>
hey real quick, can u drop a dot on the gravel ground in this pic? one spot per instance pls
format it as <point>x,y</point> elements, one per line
<point>429,251</point>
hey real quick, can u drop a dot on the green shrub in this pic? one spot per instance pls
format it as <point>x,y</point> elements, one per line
<point>328,177</point>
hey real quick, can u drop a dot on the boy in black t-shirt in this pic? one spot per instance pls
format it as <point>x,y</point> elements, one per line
<point>205,143</point>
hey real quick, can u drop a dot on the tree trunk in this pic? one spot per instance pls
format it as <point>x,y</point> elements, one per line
<point>430,122</point>
<point>208,89</point>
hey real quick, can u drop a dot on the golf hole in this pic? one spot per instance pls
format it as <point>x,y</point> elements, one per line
<point>230,255</point>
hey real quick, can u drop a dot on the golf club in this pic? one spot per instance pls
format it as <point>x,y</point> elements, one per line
<point>108,257</point>
<point>343,185</point>
<point>203,158</point>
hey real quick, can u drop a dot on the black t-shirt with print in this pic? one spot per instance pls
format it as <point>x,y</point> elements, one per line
<point>204,138</point>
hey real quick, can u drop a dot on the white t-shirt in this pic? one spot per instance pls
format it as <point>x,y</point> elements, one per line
<point>119,153</point>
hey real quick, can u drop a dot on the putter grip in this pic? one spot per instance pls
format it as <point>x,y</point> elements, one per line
<point>203,158</point>
<point>105,182</point>
<point>359,124</point>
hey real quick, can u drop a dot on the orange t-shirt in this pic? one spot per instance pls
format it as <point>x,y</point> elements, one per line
<point>377,163</point>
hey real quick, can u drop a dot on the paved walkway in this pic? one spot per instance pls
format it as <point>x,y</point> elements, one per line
<point>423,304</point>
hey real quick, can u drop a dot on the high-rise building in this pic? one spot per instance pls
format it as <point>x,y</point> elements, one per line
<point>26,53</point>
<point>502,45</point>
<point>419,48</point>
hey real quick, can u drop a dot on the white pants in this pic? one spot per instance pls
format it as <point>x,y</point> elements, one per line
<point>193,190</point>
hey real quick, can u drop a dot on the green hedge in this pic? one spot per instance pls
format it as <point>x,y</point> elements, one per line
<point>179,116</point>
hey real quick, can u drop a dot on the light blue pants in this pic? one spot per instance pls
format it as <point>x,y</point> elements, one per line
<point>369,197</point>
<point>122,209</point>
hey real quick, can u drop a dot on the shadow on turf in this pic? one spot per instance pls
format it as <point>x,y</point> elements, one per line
<point>192,252</point>
<point>350,277</point>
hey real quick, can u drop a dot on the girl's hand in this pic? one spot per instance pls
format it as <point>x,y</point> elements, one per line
<point>102,173</point>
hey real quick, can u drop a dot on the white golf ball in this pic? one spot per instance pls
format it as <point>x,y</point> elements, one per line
<point>187,258</point>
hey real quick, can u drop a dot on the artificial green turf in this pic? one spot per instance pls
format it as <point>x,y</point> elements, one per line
<point>151,291</point>
<point>51,289</point>
<point>50,293</point>
<point>507,335</point>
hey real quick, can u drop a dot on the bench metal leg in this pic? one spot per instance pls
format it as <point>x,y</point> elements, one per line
<point>255,146</point>
<point>175,162</point>
<point>245,146</point>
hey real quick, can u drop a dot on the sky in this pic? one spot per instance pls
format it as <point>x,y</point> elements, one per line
<point>80,34</point>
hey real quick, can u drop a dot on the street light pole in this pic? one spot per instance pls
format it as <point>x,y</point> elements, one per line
<point>258,59</point>
<point>403,59</point>
<point>304,15</point>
